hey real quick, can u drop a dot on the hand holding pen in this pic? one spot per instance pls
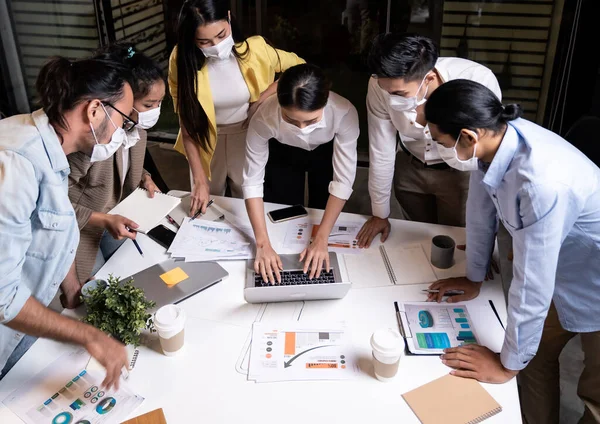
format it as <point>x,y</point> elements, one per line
<point>197,214</point>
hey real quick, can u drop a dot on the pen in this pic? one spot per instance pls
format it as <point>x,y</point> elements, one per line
<point>197,214</point>
<point>399,319</point>
<point>497,316</point>
<point>137,246</point>
<point>448,292</point>
<point>172,221</point>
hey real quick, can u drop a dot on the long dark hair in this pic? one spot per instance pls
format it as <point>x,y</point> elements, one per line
<point>62,84</point>
<point>304,87</point>
<point>461,103</point>
<point>190,60</point>
<point>145,72</point>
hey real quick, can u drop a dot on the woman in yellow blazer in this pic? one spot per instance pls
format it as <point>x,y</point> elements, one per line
<point>217,79</point>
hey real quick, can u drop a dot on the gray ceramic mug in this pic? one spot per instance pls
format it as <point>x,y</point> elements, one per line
<point>442,252</point>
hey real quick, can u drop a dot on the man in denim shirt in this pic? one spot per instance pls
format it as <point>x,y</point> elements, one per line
<point>83,108</point>
<point>547,194</point>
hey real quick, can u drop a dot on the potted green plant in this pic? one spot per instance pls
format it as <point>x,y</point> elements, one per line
<point>119,309</point>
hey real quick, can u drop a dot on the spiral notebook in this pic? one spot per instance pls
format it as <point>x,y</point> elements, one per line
<point>404,264</point>
<point>452,400</point>
<point>145,211</point>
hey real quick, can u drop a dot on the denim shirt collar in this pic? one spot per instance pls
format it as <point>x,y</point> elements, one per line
<point>52,144</point>
<point>504,156</point>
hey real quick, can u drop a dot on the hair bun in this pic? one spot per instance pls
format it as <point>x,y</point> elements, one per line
<point>511,112</point>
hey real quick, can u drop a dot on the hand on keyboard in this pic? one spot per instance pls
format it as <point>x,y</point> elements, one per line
<point>268,264</point>
<point>314,257</point>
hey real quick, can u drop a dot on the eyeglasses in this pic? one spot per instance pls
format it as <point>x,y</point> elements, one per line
<point>128,122</point>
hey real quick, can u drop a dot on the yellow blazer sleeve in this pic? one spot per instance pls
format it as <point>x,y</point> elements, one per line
<point>173,77</point>
<point>282,60</point>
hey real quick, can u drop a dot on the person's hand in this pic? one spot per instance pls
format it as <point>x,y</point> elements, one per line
<point>371,228</point>
<point>200,197</point>
<point>149,185</point>
<point>470,289</point>
<point>478,362</point>
<point>71,294</point>
<point>268,264</point>
<point>493,264</point>
<point>110,353</point>
<point>118,226</point>
<point>315,256</point>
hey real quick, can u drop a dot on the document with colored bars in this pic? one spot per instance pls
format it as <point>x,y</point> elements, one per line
<point>66,393</point>
<point>300,352</point>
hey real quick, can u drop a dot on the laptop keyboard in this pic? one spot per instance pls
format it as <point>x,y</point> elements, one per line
<point>296,278</point>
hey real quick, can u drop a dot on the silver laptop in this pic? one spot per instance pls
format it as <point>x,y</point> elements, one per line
<point>295,285</point>
<point>201,275</point>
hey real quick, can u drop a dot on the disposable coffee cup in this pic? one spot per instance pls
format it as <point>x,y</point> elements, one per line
<point>387,345</point>
<point>169,322</point>
<point>442,252</point>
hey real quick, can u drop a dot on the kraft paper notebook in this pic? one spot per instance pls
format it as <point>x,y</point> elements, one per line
<point>154,417</point>
<point>145,211</point>
<point>452,400</point>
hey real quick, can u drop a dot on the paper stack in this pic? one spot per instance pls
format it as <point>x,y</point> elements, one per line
<point>199,240</point>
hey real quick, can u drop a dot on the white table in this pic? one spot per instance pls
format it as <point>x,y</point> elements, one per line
<point>203,385</point>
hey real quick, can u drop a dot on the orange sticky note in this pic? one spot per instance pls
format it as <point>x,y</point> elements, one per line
<point>175,276</point>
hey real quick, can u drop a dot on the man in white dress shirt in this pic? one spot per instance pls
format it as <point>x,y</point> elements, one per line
<point>406,70</point>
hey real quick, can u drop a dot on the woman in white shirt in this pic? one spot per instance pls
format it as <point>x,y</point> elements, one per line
<point>315,130</point>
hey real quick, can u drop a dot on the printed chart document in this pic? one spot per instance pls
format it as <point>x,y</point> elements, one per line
<point>145,211</point>
<point>342,238</point>
<point>301,352</point>
<point>64,392</point>
<point>431,327</point>
<point>199,240</point>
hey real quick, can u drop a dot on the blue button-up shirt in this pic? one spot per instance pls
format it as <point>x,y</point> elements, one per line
<point>38,229</point>
<point>547,195</point>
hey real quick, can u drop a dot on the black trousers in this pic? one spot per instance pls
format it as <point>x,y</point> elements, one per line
<point>284,174</point>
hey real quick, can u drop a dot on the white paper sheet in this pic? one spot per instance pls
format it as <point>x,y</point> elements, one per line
<point>296,351</point>
<point>199,240</point>
<point>145,211</point>
<point>64,392</point>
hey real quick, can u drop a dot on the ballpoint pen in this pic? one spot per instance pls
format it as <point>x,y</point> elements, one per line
<point>447,293</point>
<point>137,246</point>
<point>497,315</point>
<point>197,214</point>
<point>172,221</point>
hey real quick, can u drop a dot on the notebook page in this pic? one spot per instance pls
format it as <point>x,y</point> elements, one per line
<point>410,264</point>
<point>145,211</point>
<point>367,270</point>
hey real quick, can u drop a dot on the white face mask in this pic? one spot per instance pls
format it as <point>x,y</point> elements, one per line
<point>404,104</point>
<point>148,118</point>
<point>105,151</point>
<point>306,130</point>
<point>220,51</point>
<point>131,138</point>
<point>450,156</point>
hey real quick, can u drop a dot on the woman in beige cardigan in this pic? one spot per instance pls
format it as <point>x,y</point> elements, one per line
<point>95,187</point>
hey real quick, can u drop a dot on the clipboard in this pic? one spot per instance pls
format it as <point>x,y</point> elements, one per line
<point>428,328</point>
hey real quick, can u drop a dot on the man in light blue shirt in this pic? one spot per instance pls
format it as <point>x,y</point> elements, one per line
<point>547,195</point>
<point>81,103</point>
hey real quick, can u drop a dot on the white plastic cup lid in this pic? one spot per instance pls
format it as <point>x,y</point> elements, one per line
<point>169,317</point>
<point>387,342</point>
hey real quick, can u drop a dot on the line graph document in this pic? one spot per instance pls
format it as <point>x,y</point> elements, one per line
<point>300,352</point>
